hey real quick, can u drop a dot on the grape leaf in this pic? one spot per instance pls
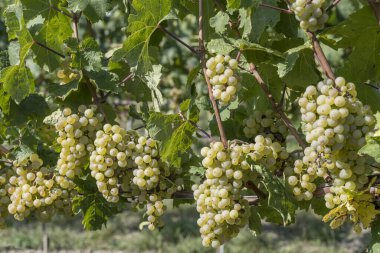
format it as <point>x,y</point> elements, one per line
<point>372,148</point>
<point>94,10</point>
<point>279,199</point>
<point>86,55</point>
<point>34,8</point>
<point>263,18</point>
<point>254,223</point>
<point>13,19</point>
<point>152,80</point>
<point>361,33</point>
<point>220,46</point>
<point>298,70</point>
<point>104,80</point>
<point>96,210</point>
<point>18,82</point>
<point>375,237</point>
<point>219,22</point>
<point>174,134</point>
<point>141,25</point>
<point>62,91</point>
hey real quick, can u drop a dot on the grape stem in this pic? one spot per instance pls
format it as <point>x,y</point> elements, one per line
<point>332,5</point>
<point>320,55</point>
<point>60,11</point>
<point>276,107</point>
<point>49,49</point>
<point>276,8</point>
<point>253,187</point>
<point>75,24</point>
<point>175,37</point>
<point>376,8</point>
<point>203,63</point>
<point>195,125</point>
<point>3,150</point>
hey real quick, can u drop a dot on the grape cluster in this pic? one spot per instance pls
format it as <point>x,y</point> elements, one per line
<point>335,125</point>
<point>34,189</point>
<point>225,83</point>
<point>123,160</point>
<point>76,134</point>
<point>110,158</point>
<point>5,174</point>
<point>66,75</point>
<point>223,211</point>
<point>267,124</point>
<point>310,14</point>
<point>150,179</point>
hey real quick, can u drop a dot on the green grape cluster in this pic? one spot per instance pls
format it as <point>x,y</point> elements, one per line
<point>335,124</point>
<point>221,70</point>
<point>152,179</point>
<point>76,134</point>
<point>267,124</point>
<point>126,164</point>
<point>34,189</point>
<point>310,14</point>
<point>222,209</point>
<point>5,173</point>
<point>110,158</point>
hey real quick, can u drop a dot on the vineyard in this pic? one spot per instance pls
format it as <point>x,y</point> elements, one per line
<point>251,110</point>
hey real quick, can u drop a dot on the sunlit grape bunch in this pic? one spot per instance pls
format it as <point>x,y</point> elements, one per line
<point>110,159</point>
<point>267,124</point>
<point>310,14</point>
<point>222,209</point>
<point>222,71</point>
<point>34,189</point>
<point>66,75</point>
<point>76,134</point>
<point>5,190</point>
<point>335,125</point>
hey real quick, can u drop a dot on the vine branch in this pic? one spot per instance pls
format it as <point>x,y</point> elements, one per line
<point>49,49</point>
<point>376,8</point>
<point>332,5</point>
<point>276,8</point>
<point>203,63</point>
<point>321,57</point>
<point>175,37</point>
<point>285,119</point>
<point>3,150</point>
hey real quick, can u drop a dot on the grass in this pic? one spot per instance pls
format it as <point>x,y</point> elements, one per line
<point>180,235</point>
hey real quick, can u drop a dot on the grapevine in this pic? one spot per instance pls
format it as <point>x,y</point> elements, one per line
<point>95,121</point>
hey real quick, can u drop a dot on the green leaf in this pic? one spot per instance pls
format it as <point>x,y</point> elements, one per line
<point>361,33</point>
<point>220,46</point>
<point>174,134</point>
<point>375,237</point>
<point>33,107</point>
<point>141,25</point>
<point>219,22</point>
<point>87,55</point>
<point>96,210</point>
<point>104,80</point>
<point>179,142</point>
<point>200,171</point>
<point>94,10</point>
<point>62,91</point>
<point>244,45</point>
<point>13,20</point>
<point>54,31</point>
<point>372,148</point>
<point>33,8</point>
<point>298,70</point>
<point>17,81</point>
<point>368,95</point>
<point>254,224</point>
<point>152,80</point>
<point>279,199</point>
<point>263,18</point>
